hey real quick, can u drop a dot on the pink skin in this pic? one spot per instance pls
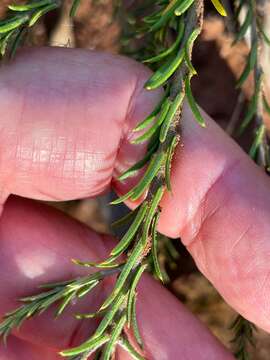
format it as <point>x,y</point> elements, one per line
<point>66,120</point>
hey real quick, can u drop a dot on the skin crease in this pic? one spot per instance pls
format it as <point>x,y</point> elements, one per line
<point>66,120</point>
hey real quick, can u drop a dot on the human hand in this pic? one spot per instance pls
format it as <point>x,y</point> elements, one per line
<point>66,121</point>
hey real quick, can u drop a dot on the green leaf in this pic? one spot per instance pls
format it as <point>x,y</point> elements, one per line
<point>134,323</point>
<point>131,261</point>
<point>263,33</point>
<point>90,315</point>
<point>165,71</point>
<point>13,24</point>
<point>170,153</point>
<point>110,346</point>
<point>132,291</point>
<point>65,303</point>
<point>243,29</point>
<point>5,41</point>
<point>129,235</point>
<point>257,141</point>
<point>142,125</point>
<point>188,49</point>
<point>151,213</point>
<point>108,263</point>
<point>163,112</point>
<point>166,15</point>
<point>74,7</point>
<point>219,7</point>
<point>266,105</point>
<point>251,62</point>
<point>110,314</point>
<point>91,344</point>
<point>155,249</point>
<point>85,290</point>
<point>125,219</point>
<point>152,170</point>
<point>29,6</point>
<point>192,103</point>
<point>183,7</point>
<point>139,165</point>
<point>125,344</point>
<point>42,12</point>
<point>252,107</point>
<point>122,198</point>
<point>177,102</point>
<point>16,43</point>
<point>38,297</point>
<point>171,49</point>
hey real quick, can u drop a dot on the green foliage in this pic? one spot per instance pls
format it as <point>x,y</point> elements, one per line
<point>21,18</point>
<point>243,337</point>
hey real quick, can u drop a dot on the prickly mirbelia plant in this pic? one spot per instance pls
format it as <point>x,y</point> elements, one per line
<point>168,31</point>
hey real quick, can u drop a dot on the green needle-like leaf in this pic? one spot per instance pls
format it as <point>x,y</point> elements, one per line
<point>125,219</point>
<point>166,15</point>
<point>91,344</point>
<point>165,71</point>
<point>139,165</point>
<point>74,7</point>
<point>188,49</point>
<point>122,198</point>
<point>110,314</point>
<point>177,102</point>
<point>42,12</point>
<point>142,125</point>
<point>65,303</point>
<point>266,105</point>
<point>131,262</point>
<point>129,235</point>
<point>219,7</point>
<point>171,49</point>
<point>183,7</point>
<point>13,24</point>
<point>125,344</point>
<point>192,103</point>
<point>252,107</point>
<point>243,29</point>
<point>132,292</point>
<point>108,263</point>
<point>134,323</point>
<point>163,112</point>
<point>252,58</point>
<point>85,290</point>
<point>155,248</point>
<point>151,172</point>
<point>151,213</point>
<point>29,6</point>
<point>257,141</point>
<point>170,153</point>
<point>110,346</point>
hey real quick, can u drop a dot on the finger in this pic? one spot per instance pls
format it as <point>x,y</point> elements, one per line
<point>64,115</point>
<point>213,181</point>
<point>168,329</point>
<point>19,349</point>
<point>38,250</point>
<point>37,245</point>
<point>220,206</point>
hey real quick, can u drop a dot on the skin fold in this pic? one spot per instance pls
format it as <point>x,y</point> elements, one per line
<point>66,125</point>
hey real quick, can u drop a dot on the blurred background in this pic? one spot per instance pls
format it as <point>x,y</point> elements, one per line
<point>218,64</point>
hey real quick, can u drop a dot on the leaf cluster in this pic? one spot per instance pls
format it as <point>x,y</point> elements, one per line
<point>243,337</point>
